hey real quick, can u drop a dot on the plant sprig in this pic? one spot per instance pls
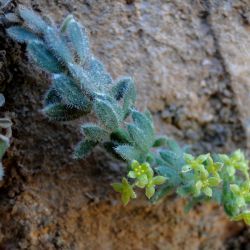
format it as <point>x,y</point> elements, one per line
<point>81,85</point>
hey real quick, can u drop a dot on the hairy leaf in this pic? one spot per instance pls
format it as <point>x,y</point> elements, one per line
<point>32,20</point>
<point>144,124</point>
<point>169,157</point>
<point>52,97</point>
<point>79,39</point>
<point>83,149</point>
<point>184,190</point>
<point>121,87</point>
<point>21,34</point>
<point>61,112</point>
<point>148,115</point>
<point>174,146</point>
<point>58,45</point>
<point>71,93</point>
<point>93,132</point>
<point>115,105</point>
<point>120,135</point>
<point>97,74</point>
<point>160,142</point>
<point>42,57</point>
<point>128,152</point>
<point>150,158</point>
<point>129,96</point>
<point>65,23</point>
<point>80,75</point>
<point>170,173</point>
<point>139,137</point>
<point>12,18</point>
<point>106,114</point>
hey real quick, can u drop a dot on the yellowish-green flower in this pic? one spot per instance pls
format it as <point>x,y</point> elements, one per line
<point>144,177</point>
<point>213,168</point>
<point>204,185</point>
<point>242,193</point>
<point>150,187</point>
<point>193,163</point>
<point>205,171</point>
<point>236,161</point>
<point>245,216</point>
<point>140,172</point>
<point>125,189</point>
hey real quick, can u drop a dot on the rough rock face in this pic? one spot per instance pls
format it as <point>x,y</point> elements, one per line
<point>190,60</point>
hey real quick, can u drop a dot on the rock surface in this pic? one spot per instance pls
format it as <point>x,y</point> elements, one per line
<point>190,60</point>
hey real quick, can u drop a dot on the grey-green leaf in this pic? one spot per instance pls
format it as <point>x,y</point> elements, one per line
<point>32,20</point>
<point>52,97</point>
<point>142,122</point>
<point>169,157</point>
<point>120,88</point>
<point>148,115</point>
<point>128,152</point>
<point>94,133</point>
<point>106,114</point>
<point>184,190</point>
<point>80,76</point>
<point>57,44</point>
<point>12,18</point>
<point>120,135</point>
<point>65,23</point>
<point>61,112</point>
<point>97,74</point>
<point>115,105</point>
<point>21,34</point>
<point>170,173</point>
<point>129,96</point>
<point>42,56</point>
<point>139,138</point>
<point>83,149</point>
<point>174,146</point>
<point>160,142</point>
<point>79,39</point>
<point>71,93</point>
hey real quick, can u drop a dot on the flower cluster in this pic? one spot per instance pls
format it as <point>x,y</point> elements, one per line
<point>143,176</point>
<point>236,178</point>
<point>242,193</point>
<point>205,173</point>
<point>226,178</point>
<point>235,162</point>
